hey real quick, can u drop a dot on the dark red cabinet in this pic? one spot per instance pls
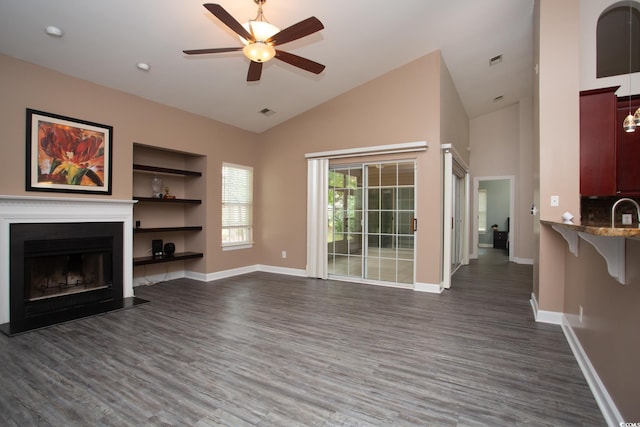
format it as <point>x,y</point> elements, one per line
<point>628,152</point>
<point>598,142</point>
<point>609,156</point>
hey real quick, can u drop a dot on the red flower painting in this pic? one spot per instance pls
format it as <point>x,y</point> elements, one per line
<point>70,155</point>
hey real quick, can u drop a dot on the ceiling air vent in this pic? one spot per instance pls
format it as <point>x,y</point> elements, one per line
<point>267,112</point>
<point>495,60</point>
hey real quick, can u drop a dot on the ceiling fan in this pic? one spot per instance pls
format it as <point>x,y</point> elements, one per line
<point>260,37</point>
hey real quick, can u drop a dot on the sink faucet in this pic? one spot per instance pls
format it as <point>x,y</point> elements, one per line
<point>613,210</point>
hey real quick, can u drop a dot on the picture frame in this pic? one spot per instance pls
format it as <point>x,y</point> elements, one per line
<point>68,155</point>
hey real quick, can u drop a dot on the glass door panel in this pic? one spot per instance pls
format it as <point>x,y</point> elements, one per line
<point>406,174</point>
<point>371,214</point>
<point>344,241</point>
<point>389,255</point>
<point>388,270</point>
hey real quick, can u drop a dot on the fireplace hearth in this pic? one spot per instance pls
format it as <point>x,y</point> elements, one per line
<point>67,291</point>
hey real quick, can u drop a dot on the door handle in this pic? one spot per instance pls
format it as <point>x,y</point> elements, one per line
<point>414,224</point>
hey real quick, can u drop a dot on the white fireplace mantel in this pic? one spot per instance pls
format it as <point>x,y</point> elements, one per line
<point>29,209</point>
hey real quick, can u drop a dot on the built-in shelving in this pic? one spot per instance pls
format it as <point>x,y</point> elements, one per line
<point>180,256</point>
<point>166,200</point>
<point>176,219</point>
<point>170,171</point>
<point>167,229</point>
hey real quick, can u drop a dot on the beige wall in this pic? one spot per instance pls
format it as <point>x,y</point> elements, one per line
<point>401,106</point>
<point>558,137</point>
<point>608,332</point>
<point>609,329</point>
<point>611,315</point>
<point>454,123</point>
<point>134,119</point>
<point>501,145</point>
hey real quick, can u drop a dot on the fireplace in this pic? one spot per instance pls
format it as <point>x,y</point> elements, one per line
<point>61,266</point>
<point>63,259</point>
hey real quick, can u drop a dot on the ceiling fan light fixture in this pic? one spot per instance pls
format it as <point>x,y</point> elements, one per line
<point>261,30</point>
<point>259,51</point>
<point>260,39</point>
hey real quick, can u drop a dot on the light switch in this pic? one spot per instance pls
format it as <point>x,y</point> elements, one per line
<point>627,219</point>
<point>555,201</point>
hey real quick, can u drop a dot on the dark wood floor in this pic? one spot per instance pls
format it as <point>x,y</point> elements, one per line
<point>265,349</point>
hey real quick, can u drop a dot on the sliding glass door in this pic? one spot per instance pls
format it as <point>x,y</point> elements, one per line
<point>371,213</point>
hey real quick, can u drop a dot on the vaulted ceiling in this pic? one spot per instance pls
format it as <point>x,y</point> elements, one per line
<point>104,40</point>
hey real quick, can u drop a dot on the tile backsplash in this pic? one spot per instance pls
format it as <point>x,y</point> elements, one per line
<point>597,211</point>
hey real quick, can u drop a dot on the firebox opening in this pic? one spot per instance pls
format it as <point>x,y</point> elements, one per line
<point>67,271</point>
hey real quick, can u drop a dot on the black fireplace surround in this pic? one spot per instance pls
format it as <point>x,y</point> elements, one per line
<point>64,271</point>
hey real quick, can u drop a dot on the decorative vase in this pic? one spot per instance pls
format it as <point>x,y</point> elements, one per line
<point>156,187</point>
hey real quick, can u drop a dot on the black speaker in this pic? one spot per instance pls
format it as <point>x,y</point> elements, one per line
<point>169,248</point>
<point>156,247</point>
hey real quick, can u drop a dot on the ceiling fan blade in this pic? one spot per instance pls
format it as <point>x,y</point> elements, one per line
<point>228,20</point>
<point>300,62</point>
<point>215,50</point>
<point>296,31</point>
<point>255,71</point>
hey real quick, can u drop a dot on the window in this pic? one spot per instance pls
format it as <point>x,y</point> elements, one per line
<point>613,35</point>
<point>482,211</point>
<point>237,206</point>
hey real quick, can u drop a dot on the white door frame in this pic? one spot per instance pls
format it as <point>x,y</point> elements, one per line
<point>512,219</point>
<point>447,214</point>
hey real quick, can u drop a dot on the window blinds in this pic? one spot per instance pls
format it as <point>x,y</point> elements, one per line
<point>237,204</point>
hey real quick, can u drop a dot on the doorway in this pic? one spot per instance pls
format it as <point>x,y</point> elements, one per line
<point>455,215</point>
<point>493,216</point>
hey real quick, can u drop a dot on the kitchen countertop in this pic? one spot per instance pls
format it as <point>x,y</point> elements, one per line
<point>597,230</point>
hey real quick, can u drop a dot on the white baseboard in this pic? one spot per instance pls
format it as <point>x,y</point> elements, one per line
<point>543,316</point>
<point>202,277</point>
<point>526,261</point>
<point>211,277</point>
<point>609,410</point>
<point>283,270</point>
<point>428,287</point>
<point>157,278</point>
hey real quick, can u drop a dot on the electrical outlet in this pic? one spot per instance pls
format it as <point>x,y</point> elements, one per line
<point>284,254</point>
<point>580,315</point>
<point>627,219</point>
<point>555,201</point>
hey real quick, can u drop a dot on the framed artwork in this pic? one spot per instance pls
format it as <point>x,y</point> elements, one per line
<point>67,155</point>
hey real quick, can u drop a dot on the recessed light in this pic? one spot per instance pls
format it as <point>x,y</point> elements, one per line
<point>495,60</point>
<point>54,31</point>
<point>143,66</point>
